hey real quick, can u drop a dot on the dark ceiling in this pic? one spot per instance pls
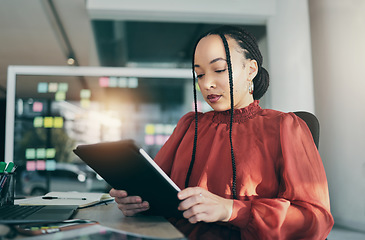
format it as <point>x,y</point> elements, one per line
<point>143,43</point>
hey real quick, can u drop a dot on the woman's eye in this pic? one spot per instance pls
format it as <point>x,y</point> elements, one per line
<point>219,71</point>
<point>199,76</point>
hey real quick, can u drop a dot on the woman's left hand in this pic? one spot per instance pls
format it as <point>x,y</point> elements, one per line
<point>199,205</point>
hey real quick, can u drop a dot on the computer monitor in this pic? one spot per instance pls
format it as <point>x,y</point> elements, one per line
<point>51,110</point>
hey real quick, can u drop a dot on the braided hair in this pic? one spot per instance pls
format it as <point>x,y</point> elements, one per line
<point>248,44</point>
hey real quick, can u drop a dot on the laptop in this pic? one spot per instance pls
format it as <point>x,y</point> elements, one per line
<point>126,166</point>
<point>17,214</point>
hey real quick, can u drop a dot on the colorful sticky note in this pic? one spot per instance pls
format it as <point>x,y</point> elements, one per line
<point>169,128</point>
<point>122,82</point>
<point>30,166</point>
<point>58,122</point>
<point>38,122</point>
<point>50,153</point>
<point>41,153</point>
<point>50,165</point>
<point>41,165</point>
<point>113,82</point>
<point>104,82</point>
<point>52,87</point>
<point>42,87</point>
<point>133,82</point>
<point>149,129</point>
<point>37,107</point>
<point>149,140</point>
<point>48,122</point>
<point>160,139</point>
<point>63,87</point>
<point>160,128</point>
<point>30,153</point>
<point>85,94</point>
<point>60,96</point>
<point>85,103</point>
<point>165,129</point>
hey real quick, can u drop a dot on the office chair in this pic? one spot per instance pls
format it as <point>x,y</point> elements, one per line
<point>312,123</point>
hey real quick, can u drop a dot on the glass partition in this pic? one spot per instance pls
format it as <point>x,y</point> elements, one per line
<point>52,110</point>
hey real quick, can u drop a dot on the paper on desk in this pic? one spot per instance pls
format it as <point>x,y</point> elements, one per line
<point>67,198</point>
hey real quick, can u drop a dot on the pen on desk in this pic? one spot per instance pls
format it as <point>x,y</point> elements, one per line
<point>70,198</point>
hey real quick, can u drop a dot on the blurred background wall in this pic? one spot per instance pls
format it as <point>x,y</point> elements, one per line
<point>338,52</point>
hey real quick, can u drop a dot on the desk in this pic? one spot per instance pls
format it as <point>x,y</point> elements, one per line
<point>110,216</point>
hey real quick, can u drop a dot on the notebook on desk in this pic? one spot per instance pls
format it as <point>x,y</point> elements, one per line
<point>81,199</point>
<point>16,214</point>
<point>126,166</point>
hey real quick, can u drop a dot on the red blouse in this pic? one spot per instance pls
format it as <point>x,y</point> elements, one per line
<point>281,183</point>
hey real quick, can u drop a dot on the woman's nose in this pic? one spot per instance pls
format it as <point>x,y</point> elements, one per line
<point>209,82</point>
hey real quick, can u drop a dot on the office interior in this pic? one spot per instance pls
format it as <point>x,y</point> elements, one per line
<point>313,50</point>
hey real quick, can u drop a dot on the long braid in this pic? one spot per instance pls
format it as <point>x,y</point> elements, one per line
<point>229,64</point>
<point>195,133</point>
<point>195,139</point>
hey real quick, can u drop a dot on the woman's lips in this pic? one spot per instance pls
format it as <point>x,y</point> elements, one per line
<point>213,98</point>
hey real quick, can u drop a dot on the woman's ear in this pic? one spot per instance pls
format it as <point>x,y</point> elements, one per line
<point>252,68</point>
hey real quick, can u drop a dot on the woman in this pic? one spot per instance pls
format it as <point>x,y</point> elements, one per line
<point>250,173</point>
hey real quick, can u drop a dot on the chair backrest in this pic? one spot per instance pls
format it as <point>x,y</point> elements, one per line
<point>312,123</point>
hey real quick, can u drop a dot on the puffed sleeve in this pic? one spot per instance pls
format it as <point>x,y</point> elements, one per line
<point>301,209</point>
<point>165,156</point>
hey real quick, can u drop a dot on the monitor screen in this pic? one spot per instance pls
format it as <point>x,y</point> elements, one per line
<point>51,110</point>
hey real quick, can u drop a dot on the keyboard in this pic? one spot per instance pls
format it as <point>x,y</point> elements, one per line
<point>17,211</point>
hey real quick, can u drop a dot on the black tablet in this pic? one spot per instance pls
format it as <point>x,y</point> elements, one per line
<point>125,166</point>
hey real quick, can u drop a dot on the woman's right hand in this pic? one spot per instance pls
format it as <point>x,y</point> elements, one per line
<point>129,205</point>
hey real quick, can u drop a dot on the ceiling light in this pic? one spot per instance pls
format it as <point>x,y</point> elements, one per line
<point>70,61</point>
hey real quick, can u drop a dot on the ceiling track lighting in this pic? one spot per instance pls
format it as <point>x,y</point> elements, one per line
<point>60,32</point>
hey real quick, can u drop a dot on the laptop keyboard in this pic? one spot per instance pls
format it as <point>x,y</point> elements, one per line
<point>17,211</point>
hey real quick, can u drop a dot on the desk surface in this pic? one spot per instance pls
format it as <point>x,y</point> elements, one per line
<point>110,216</point>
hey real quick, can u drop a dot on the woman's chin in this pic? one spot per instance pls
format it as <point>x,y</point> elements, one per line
<point>220,108</point>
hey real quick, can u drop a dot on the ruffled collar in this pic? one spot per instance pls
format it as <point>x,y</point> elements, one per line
<point>239,115</point>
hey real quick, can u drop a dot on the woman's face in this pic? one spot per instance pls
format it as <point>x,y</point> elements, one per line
<point>211,69</point>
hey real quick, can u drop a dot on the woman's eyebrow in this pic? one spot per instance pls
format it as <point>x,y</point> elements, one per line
<point>217,59</point>
<point>211,62</point>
